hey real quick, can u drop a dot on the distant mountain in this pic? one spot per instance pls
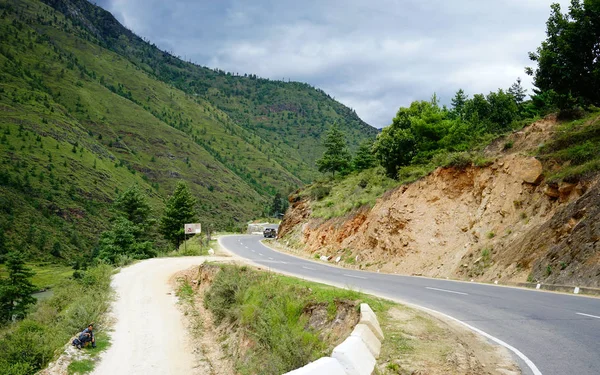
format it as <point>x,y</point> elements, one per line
<point>87,109</point>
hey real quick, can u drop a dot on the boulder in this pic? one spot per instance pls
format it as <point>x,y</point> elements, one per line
<point>530,171</point>
<point>551,191</point>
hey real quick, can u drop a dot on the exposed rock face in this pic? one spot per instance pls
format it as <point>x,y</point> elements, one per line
<point>494,223</point>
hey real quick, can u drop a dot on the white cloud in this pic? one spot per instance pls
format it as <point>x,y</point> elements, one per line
<point>373,56</point>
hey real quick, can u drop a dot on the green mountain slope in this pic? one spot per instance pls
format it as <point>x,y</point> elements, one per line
<point>80,122</point>
<point>291,116</point>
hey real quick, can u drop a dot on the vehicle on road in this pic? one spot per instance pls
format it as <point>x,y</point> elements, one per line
<point>270,233</point>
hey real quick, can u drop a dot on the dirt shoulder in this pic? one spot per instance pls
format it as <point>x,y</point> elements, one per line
<point>149,335</point>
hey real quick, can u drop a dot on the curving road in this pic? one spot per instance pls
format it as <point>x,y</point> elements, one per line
<point>548,333</point>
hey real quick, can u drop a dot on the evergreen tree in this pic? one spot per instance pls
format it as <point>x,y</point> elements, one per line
<point>16,290</point>
<point>180,210</point>
<point>336,157</point>
<point>133,205</point>
<point>458,103</point>
<point>518,92</point>
<point>364,158</point>
<point>276,205</point>
<point>128,235</point>
<point>125,239</point>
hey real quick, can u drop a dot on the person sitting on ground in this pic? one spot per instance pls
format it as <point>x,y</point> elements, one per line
<point>85,337</point>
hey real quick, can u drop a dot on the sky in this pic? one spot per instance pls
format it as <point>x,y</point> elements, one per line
<point>372,55</point>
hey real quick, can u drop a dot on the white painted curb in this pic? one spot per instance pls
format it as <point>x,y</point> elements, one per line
<point>356,355</point>
<point>363,332</point>
<point>370,319</point>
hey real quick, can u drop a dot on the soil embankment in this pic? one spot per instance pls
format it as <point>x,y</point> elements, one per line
<point>499,222</point>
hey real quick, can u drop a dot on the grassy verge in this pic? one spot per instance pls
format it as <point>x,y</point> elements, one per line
<point>87,361</point>
<point>29,345</point>
<point>271,313</point>
<point>266,325</point>
<point>193,246</point>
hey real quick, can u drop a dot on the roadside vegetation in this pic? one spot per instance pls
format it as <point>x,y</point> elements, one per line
<point>28,345</point>
<point>272,315</point>
<point>31,334</point>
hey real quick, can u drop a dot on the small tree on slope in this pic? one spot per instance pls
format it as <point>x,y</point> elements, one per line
<point>179,211</point>
<point>16,290</point>
<point>336,157</point>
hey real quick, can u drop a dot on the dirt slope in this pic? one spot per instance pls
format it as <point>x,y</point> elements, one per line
<point>500,222</point>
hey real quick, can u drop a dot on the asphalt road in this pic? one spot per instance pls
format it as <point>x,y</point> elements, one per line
<point>556,334</point>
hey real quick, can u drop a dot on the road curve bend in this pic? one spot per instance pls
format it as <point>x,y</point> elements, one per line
<point>555,334</point>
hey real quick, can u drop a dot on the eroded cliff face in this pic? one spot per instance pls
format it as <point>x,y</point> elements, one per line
<point>500,222</point>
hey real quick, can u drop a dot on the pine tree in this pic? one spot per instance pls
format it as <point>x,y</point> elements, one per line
<point>276,205</point>
<point>133,205</point>
<point>518,92</point>
<point>129,234</point>
<point>16,290</point>
<point>336,157</point>
<point>180,210</point>
<point>458,103</point>
<point>364,158</point>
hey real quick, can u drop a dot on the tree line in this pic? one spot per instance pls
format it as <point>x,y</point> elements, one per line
<point>566,80</point>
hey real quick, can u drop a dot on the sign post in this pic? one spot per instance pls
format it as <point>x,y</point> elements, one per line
<point>190,229</point>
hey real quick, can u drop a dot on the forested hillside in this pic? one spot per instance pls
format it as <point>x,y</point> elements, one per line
<point>88,109</point>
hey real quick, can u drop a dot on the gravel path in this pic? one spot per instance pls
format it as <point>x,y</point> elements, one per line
<point>149,335</point>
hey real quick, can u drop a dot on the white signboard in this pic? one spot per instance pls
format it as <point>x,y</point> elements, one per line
<point>193,228</point>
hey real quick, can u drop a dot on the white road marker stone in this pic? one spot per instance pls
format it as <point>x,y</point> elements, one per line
<point>446,290</point>
<point>354,356</point>
<point>576,290</point>
<point>538,286</point>
<point>588,315</point>
<point>322,366</point>
<point>363,332</point>
<point>356,277</point>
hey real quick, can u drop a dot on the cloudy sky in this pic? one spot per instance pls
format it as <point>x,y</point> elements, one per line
<point>372,55</point>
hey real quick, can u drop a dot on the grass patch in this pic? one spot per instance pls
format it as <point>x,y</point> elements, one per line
<point>576,150</point>
<point>83,366</point>
<point>29,345</point>
<point>46,275</point>
<point>194,246</point>
<point>336,198</point>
